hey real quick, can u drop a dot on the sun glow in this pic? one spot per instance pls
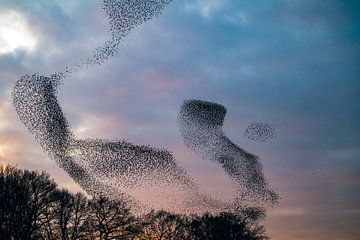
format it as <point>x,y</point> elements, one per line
<point>15,33</point>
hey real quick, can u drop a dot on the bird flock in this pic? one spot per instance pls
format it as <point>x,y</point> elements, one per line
<point>261,132</point>
<point>115,167</point>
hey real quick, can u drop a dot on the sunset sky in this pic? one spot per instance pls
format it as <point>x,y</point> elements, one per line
<point>294,64</point>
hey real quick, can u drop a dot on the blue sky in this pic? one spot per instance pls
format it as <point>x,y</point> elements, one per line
<point>292,63</point>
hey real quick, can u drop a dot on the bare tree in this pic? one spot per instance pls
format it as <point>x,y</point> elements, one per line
<point>67,216</point>
<point>110,219</point>
<point>163,225</point>
<point>25,197</point>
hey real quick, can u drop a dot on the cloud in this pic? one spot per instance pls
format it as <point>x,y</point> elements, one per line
<point>288,212</point>
<point>15,33</point>
<point>205,7</point>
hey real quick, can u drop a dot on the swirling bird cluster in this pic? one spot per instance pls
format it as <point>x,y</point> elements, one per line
<point>114,168</point>
<point>261,132</point>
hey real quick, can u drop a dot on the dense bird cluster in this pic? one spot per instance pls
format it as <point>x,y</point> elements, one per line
<point>35,101</point>
<point>124,15</point>
<point>261,132</point>
<point>112,168</point>
<point>201,127</point>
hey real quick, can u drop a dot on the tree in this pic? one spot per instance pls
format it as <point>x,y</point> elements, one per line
<point>226,225</point>
<point>109,219</point>
<point>66,216</point>
<point>32,207</point>
<point>163,225</point>
<point>25,197</point>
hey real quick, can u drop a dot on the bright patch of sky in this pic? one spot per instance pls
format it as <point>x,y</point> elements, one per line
<point>205,7</point>
<point>15,33</point>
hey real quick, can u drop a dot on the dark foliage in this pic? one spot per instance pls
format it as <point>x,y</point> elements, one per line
<point>32,207</point>
<point>226,225</point>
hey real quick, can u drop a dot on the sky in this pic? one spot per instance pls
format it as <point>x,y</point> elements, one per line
<point>291,63</point>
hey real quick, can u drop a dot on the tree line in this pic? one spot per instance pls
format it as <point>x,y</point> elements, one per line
<point>33,207</point>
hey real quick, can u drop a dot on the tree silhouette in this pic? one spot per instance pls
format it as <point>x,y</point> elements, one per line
<point>226,225</point>
<point>110,220</point>
<point>163,225</point>
<point>66,216</point>
<point>32,207</point>
<point>25,197</point>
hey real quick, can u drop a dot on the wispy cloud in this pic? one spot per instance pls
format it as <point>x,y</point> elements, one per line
<point>205,8</point>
